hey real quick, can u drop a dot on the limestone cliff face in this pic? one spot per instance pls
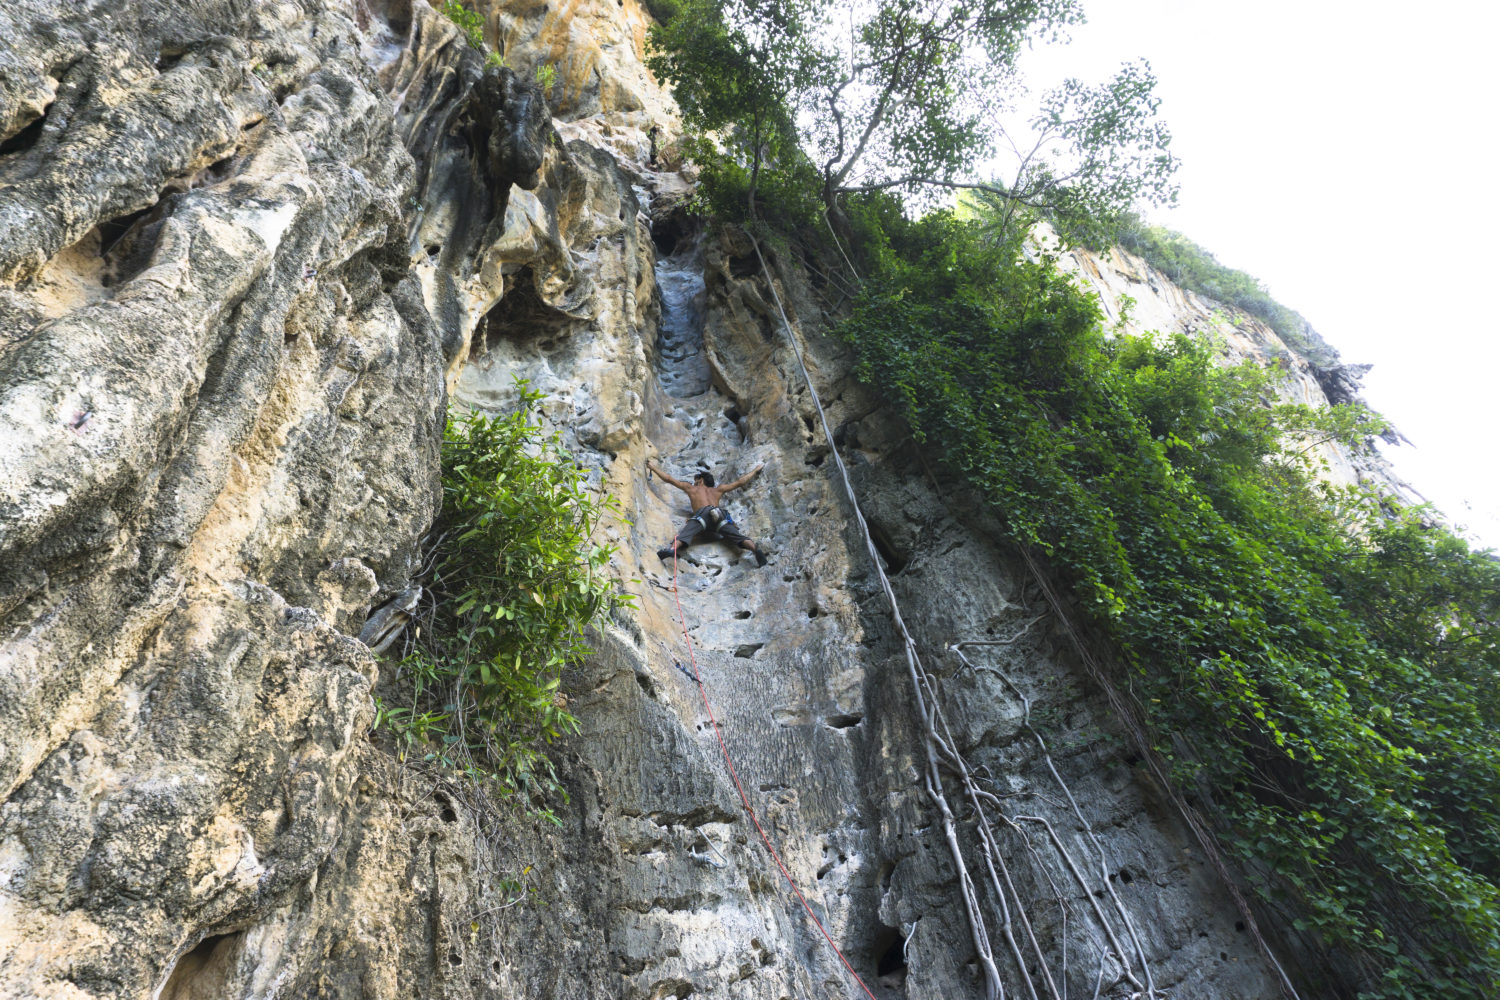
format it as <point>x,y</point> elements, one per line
<point>1131,291</point>
<point>247,250</point>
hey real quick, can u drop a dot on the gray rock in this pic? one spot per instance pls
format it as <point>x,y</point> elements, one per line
<point>247,249</point>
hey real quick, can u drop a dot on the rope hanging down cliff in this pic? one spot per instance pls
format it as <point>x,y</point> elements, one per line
<point>932,779</point>
<point>942,752</point>
<point>745,799</point>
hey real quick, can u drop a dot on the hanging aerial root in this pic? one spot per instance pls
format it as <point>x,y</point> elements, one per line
<point>1127,717</point>
<point>994,989</point>
<point>1088,827</point>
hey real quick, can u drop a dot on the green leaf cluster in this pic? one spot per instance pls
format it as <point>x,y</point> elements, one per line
<point>735,79</point>
<point>471,23</point>
<point>831,100</point>
<point>519,580</point>
<point>1321,667</point>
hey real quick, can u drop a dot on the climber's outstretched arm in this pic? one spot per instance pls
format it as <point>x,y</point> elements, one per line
<point>667,476</point>
<point>743,479</point>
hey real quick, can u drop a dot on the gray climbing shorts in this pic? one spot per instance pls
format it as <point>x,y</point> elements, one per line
<point>708,524</point>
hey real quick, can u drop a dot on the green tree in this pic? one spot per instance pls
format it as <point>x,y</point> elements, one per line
<point>1321,660</point>
<point>736,78</point>
<point>909,95</point>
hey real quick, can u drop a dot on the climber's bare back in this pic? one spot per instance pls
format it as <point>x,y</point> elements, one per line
<point>700,494</point>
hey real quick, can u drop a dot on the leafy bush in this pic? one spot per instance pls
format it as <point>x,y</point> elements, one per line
<point>518,581</point>
<point>1320,668</point>
<point>471,23</point>
<point>546,76</point>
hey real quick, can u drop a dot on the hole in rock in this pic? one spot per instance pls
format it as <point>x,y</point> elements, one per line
<point>215,172</point>
<point>842,721</point>
<point>890,963</point>
<point>748,650</point>
<point>395,13</point>
<point>1125,877</point>
<point>671,231</point>
<point>1223,956</point>
<point>1239,925</point>
<point>813,611</point>
<point>24,139</point>
<point>646,685</point>
<point>671,989</point>
<point>522,318</point>
<point>454,959</point>
<point>894,562</point>
<point>887,869</point>
<point>742,615</point>
<point>167,58</point>
<point>808,421</point>
<point>126,242</point>
<point>206,970</point>
<point>114,230</point>
<point>737,419</point>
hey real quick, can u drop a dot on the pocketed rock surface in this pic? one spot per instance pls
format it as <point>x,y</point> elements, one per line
<point>250,254</point>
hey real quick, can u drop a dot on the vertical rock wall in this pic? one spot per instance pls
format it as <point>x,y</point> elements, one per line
<point>247,248</point>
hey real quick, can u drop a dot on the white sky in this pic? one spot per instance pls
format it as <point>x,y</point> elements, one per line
<point>1345,154</point>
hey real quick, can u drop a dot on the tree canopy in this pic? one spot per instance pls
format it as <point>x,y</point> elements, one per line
<point>911,95</point>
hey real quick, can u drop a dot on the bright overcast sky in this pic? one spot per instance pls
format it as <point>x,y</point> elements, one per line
<point>1344,153</point>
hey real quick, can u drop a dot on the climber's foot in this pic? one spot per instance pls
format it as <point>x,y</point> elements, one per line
<point>664,554</point>
<point>760,557</point>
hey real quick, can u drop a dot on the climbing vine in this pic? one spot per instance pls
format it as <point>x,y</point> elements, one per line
<point>1318,666</point>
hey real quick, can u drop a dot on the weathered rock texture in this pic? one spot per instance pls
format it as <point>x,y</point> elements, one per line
<point>247,247</point>
<point>1132,291</point>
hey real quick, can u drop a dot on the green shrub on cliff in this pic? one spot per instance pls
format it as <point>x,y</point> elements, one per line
<point>1320,668</point>
<point>518,580</point>
<point>471,23</point>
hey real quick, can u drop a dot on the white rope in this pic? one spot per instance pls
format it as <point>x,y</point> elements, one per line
<point>932,779</point>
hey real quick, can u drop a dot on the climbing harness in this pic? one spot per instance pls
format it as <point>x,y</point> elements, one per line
<point>711,517</point>
<point>744,798</point>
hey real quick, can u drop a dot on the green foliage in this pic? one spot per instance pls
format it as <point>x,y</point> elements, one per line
<point>1101,150</point>
<point>906,97</point>
<point>1190,266</point>
<point>735,83</point>
<point>519,580</point>
<point>1322,670</point>
<point>546,76</point>
<point>664,10</point>
<point>471,23</point>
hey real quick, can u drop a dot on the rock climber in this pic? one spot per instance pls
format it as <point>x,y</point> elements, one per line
<point>709,519</point>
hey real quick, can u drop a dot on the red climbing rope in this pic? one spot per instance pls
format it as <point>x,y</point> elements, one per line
<point>745,799</point>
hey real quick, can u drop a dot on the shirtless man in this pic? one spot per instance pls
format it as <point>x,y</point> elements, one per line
<point>708,516</point>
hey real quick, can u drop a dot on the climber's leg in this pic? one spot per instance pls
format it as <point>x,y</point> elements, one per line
<point>731,533</point>
<point>682,541</point>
